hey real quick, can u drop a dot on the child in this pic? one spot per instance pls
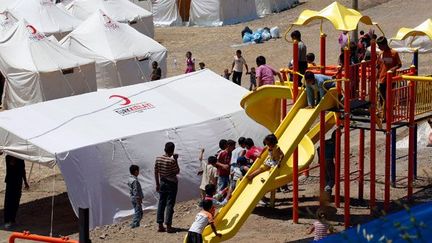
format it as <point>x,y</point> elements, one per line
<point>201,65</point>
<point>226,74</point>
<point>252,152</point>
<point>136,195</point>
<point>310,58</point>
<point>190,63</point>
<point>275,156</point>
<point>216,198</point>
<point>316,87</point>
<point>321,226</point>
<point>239,169</point>
<point>202,219</point>
<point>208,171</point>
<point>265,74</point>
<point>157,72</point>
<point>252,79</point>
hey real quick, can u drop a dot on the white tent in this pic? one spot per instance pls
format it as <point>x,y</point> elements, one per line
<point>121,11</point>
<point>103,133</point>
<point>145,4</point>
<point>37,69</point>
<point>7,26</point>
<point>4,4</point>
<point>221,12</point>
<point>123,55</point>
<point>421,43</point>
<point>45,16</point>
<point>166,13</point>
<point>265,7</point>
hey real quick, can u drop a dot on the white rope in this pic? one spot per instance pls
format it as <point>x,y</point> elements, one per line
<point>52,204</point>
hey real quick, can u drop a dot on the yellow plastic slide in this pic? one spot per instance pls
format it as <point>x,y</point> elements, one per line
<point>262,105</point>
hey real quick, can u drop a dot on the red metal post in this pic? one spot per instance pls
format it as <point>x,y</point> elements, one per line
<point>412,100</point>
<point>322,156</point>
<point>283,101</point>
<point>338,151</point>
<point>362,134</point>
<point>322,52</point>
<point>295,155</point>
<point>388,116</point>
<point>322,121</point>
<point>372,94</point>
<point>347,99</point>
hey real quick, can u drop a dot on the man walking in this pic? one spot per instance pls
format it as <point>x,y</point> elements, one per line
<point>237,67</point>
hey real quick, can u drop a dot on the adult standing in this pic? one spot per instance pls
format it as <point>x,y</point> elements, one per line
<point>166,170</point>
<point>15,175</point>
<point>237,67</point>
<point>388,60</point>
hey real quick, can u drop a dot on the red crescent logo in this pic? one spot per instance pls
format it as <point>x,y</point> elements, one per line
<point>32,29</point>
<point>126,99</point>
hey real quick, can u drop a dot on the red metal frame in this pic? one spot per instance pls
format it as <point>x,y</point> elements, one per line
<point>411,138</point>
<point>372,201</point>
<point>322,123</point>
<point>295,155</point>
<point>347,92</point>
<point>388,113</point>
<point>362,133</point>
<point>338,151</point>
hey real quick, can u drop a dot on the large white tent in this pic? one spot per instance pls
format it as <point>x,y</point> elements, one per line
<point>221,12</point>
<point>166,13</point>
<point>123,55</point>
<point>145,4</point>
<point>265,7</point>
<point>7,26</point>
<point>45,16</point>
<point>37,69</point>
<point>103,133</point>
<point>122,11</point>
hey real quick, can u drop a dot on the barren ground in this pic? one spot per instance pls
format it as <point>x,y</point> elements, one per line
<point>216,47</point>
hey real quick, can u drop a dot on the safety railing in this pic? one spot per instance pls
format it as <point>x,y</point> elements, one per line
<point>399,98</point>
<point>39,238</point>
<point>423,93</point>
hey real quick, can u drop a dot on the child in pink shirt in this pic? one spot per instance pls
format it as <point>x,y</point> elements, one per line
<point>264,73</point>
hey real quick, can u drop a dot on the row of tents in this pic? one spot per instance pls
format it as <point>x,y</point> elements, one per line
<point>60,19</point>
<point>99,53</point>
<point>214,12</point>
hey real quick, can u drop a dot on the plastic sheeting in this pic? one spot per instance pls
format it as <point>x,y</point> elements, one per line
<point>121,11</point>
<point>123,55</point>
<point>265,7</point>
<point>103,133</point>
<point>421,43</point>
<point>413,223</point>
<point>166,13</point>
<point>37,69</point>
<point>221,12</point>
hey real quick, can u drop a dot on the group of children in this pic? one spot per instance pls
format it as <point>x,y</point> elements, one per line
<point>220,175</point>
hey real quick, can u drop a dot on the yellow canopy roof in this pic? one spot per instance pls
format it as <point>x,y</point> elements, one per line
<point>341,17</point>
<point>424,29</point>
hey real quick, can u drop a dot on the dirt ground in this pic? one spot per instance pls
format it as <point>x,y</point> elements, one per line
<point>216,47</point>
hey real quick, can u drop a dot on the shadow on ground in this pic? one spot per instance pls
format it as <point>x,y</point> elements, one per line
<point>35,217</point>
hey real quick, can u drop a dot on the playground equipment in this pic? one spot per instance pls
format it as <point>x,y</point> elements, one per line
<point>291,133</point>
<point>408,101</point>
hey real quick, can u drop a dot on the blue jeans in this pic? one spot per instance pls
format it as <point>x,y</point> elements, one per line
<point>167,199</point>
<point>223,182</point>
<point>137,215</point>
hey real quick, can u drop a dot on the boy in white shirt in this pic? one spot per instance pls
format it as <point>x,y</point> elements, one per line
<point>202,219</point>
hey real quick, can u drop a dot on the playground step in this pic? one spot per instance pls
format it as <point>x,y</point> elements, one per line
<point>357,107</point>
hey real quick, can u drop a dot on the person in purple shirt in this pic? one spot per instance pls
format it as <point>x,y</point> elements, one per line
<point>264,73</point>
